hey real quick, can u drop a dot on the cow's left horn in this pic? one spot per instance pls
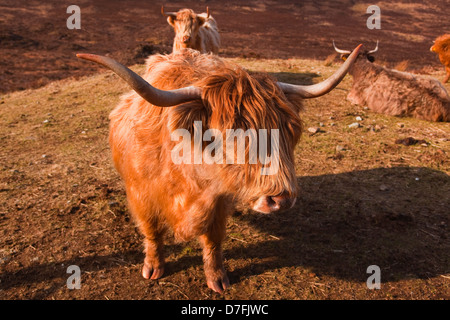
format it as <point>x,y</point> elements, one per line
<point>151,94</point>
<point>319,89</point>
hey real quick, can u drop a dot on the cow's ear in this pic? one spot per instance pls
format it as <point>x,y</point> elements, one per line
<point>201,20</point>
<point>184,115</point>
<point>171,20</point>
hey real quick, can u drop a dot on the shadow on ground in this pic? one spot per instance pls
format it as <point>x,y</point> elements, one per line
<point>395,218</point>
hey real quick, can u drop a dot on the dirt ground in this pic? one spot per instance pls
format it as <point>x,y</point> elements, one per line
<point>373,202</point>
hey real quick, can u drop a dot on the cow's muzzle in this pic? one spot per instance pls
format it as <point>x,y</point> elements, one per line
<point>269,204</point>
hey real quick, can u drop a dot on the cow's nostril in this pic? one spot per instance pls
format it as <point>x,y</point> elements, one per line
<point>278,201</point>
<point>186,38</point>
<point>283,201</point>
<point>271,201</point>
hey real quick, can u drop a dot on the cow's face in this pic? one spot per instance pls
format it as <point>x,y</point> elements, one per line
<point>365,56</point>
<point>362,56</point>
<point>257,127</point>
<point>186,25</point>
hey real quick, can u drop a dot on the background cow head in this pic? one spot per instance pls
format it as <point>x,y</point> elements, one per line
<point>186,24</point>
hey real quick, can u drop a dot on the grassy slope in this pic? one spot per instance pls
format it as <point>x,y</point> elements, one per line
<point>374,202</point>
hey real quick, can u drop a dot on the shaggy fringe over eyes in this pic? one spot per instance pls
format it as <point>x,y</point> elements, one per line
<point>240,100</point>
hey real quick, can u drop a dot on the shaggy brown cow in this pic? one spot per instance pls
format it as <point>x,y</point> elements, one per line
<point>394,92</point>
<point>202,92</point>
<point>195,31</point>
<point>442,48</point>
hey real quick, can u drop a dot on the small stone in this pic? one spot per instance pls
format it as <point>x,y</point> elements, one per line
<point>358,118</point>
<point>339,148</point>
<point>321,124</point>
<point>400,125</point>
<point>314,129</point>
<point>354,125</point>
<point>384,187</point>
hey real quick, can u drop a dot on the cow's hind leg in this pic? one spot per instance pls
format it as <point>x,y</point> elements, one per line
<point>153,232</point>
<point>216,276</point>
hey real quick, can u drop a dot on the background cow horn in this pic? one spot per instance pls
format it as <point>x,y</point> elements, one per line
<point>319,89</point>
<point>374,50</point>
<point>207,12</point>
<point>340,51</point>
<point>151,94</point>
<point>168,14</point>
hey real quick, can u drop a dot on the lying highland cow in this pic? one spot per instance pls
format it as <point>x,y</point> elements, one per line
<point>442,47</point>
<point>199,96</point>
<point>195,31</point>
<point>396,93</point>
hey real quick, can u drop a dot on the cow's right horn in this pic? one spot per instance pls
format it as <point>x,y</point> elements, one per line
<point>157,97</point>
<point>321,88</point>
<point>341,51</point>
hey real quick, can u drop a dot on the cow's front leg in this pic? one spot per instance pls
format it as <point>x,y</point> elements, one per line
<point>154,258</point>
<point>151,228</point>
<point>216,276</point>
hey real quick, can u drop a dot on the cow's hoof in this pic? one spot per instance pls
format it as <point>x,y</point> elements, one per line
<point>148,272</point>
<point>218,285</point>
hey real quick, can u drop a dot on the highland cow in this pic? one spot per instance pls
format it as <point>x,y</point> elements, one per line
<point>396,93</point>
<point>195,31</point>
<point>442,47</point>
<point>185,88</point>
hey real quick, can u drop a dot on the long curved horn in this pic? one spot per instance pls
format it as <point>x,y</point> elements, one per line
<point>321,88</point>
<point>151,94</point>
<point>168,14</point>
<point>207,12</point>
<point>341,51</point>
<point>374,50</point>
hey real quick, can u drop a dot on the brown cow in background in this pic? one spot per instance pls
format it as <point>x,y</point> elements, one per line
<point>195,199</point>
<point>396,93</point>
<point>195,31</point>
<point>442,48</point>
